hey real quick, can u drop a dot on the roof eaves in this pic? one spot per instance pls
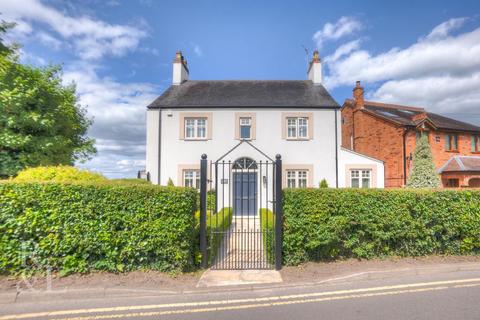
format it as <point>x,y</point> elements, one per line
<point>362,155</point>
<point>442,168</point>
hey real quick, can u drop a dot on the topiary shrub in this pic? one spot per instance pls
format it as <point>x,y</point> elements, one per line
<point>323,184</point>
<point>58,174</point>
<point>423,173</point>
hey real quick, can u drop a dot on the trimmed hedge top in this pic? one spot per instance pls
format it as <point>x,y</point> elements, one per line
<point>326,224</point>
<point>58,174</point>
<point>83,227</point>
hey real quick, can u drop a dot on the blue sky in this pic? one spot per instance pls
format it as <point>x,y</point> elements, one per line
<point>423,53</point>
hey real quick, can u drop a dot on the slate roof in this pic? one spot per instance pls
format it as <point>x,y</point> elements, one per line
<point>403,115</point>
<point>461,163</point>
<point>245,93</point>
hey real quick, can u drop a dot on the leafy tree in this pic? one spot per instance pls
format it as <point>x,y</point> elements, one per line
<point>423,173</point>
<point>170,182</point>
<point>4,27</point>
<point>41,121</point>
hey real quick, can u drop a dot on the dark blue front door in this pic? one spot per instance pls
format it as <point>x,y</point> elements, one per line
<point>245,193</point>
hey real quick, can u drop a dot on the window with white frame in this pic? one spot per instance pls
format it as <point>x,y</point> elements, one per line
<point>191,178</point>
<point>195,128</point>
<point>297,127</point>
<point>245,128</point>
<point>360,178</point>
<point>297,178</point>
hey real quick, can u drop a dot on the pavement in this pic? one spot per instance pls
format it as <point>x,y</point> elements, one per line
<point>221,278</point>
<point>434,291</point>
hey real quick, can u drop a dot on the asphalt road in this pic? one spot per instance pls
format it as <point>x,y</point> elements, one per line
<point>431,294</point>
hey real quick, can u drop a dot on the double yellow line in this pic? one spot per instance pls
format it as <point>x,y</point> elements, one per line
<point>248,303</point>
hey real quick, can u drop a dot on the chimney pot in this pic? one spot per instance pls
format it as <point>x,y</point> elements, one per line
<point>315,69</point>
<point>358,95</point>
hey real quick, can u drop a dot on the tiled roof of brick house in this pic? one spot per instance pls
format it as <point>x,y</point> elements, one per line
<point>461,164</point>
<point>412,116</point>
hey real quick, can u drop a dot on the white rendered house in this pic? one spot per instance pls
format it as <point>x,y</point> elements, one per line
<point>297,119</point>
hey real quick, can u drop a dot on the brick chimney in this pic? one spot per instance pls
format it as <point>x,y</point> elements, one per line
<point>180,70</point>
<point>358,96</point>
<point>315,69</point>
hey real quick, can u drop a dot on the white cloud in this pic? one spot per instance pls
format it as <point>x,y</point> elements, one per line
<point>49,40</point>
<point>197,50</point>
<point>444,29</point>
<point>448,55</point>
<point>118,110</point>
<point>334,31</point>
<point>440,71</point>
<point>91,39</point>
<point>343,50</point>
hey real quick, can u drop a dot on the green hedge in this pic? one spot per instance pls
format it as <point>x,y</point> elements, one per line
<point>58,174</point>
<point>326,224</point>
<point>267,222</point>
<point>83,227</point>
<point>217,226</point>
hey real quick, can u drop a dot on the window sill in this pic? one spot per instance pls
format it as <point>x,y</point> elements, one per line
<point>298,139</point>
<point>193,139</point>
<point>452,151</point>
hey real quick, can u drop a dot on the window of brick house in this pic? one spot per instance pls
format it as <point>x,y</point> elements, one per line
<point>421,133</point>
<point>452,183</point>
<point>475,140</point>
<point>451,142</point>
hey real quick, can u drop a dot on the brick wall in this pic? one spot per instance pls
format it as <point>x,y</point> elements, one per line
<point>383,140</point>
<point>376,138</point>
<point>347,128</point>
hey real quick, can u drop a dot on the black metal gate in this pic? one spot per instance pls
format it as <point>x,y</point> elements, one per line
<point>241,213</point>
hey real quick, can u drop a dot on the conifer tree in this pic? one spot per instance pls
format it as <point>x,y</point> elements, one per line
<point>423,173</point>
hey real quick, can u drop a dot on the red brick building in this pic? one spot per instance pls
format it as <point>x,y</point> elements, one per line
<point>389,132</point>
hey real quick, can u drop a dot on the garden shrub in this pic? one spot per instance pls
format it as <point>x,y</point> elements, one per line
<point>84,227</point>
<point>58,174</point>
<point>326,224</point>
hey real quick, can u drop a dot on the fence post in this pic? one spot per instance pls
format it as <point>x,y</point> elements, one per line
<point>278,213</point>
<point>203,211</point>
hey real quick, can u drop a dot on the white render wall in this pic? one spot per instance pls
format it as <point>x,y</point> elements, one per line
<point>319,152</point>
<point>152,157</point>
<point>348,158</point>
